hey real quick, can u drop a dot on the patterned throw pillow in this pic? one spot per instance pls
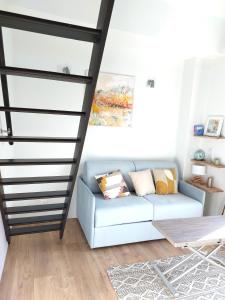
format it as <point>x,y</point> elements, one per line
<point>165,181</point>
<point>112,185</point>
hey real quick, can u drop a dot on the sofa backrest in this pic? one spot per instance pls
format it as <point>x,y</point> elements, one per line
<point>95,167</point>
<point>155,164</point>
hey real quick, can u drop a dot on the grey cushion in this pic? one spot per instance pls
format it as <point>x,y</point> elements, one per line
<point>96,167</point>
<point>174,206</point>
<point>123,210</point>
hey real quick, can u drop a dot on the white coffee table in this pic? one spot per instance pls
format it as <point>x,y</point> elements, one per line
<point>193,234</point>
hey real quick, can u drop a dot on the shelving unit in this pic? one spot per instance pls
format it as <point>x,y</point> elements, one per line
<point>205,188</point>
<point>211,137</point>
<point>207,163</point>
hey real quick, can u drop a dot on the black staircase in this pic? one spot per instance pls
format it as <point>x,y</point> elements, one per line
<point>50,222</point>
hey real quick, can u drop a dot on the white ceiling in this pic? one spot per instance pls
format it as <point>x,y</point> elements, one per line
<point>191,27</point>
<point>139,16</point>
<point>153,16</point>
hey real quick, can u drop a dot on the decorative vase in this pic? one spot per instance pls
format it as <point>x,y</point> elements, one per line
<point>199,155</point>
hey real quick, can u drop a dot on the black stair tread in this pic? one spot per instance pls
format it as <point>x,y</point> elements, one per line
<point>34,208</point>
<point>38,25</point>
<point>34,229</point>
<point>38,161</point>
<point>40,74</point>
<point>35,195</point>
<point>39,139</point>
<point>33,220</point>
<point>42,111</point>
<point>34,180</point>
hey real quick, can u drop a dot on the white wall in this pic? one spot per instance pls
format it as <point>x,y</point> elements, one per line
<point>6,151</point>
<point>186,143</point>
<point>3,247</point>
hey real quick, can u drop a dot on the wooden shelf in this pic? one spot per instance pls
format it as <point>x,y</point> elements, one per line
<point>205,188</point>
<point>207,163</point>
<point>210,137</point>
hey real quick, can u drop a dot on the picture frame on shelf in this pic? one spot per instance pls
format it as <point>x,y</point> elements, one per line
<point>214,126</point>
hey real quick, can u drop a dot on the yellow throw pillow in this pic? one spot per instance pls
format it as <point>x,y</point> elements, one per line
<point>143,182</point>
<point>165,181</point>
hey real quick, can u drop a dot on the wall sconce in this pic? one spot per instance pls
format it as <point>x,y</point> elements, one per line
<point>66,70</point>
<point>151,83</point>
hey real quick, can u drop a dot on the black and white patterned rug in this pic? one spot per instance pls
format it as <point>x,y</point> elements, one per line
<point>140,282</point>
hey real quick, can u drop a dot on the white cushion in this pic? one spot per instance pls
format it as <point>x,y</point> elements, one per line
<point>143,182</point>
<point>174,206</point>
<point>122,210</point>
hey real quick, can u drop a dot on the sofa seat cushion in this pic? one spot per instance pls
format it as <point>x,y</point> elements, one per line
<point>174,206</point>
<point>122,210</point>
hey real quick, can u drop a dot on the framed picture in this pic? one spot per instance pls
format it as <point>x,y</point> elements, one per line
<point>214,126</point>
<point>113,100</point>
<point>199,130</point>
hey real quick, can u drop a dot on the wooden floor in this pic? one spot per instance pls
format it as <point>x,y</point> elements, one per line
<point>41,267</point>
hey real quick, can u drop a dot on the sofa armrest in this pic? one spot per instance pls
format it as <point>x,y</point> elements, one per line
<point>86,210</point>
<point>192,191</point>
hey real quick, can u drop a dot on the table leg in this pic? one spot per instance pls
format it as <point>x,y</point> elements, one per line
<point>169,284</point>
<point>209,260</point>
<point>181,262</point>
<point>203,257</point>
<point>165,281</point>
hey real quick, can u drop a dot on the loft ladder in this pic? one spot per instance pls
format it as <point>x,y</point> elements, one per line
<point>49,222</point>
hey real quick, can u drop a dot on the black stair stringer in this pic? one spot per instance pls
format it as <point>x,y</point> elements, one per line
<point>56,213</point>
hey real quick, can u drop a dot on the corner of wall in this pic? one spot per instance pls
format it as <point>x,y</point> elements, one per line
<point>3,248</point>
<point>189,89</point>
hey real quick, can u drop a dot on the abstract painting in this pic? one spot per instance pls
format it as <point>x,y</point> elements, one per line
<point>113,101</point>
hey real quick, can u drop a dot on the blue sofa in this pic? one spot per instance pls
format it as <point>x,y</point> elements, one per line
<point>129,219</point>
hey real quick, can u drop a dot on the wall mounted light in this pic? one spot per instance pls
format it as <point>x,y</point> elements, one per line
<point>66,70</point>
<point>151,83</point>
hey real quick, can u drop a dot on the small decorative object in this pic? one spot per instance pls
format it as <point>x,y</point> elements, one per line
<point>210,155</point>
<point>113,101</point>
<point>151,83</point>
<point>214,126</point>
<point>66,70</point>
<point>198,171</point>
<point>3,131</point>
<point>217,161</point>
<point>199,155</point>
<point>210,182</point>
<point>199,130</point>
